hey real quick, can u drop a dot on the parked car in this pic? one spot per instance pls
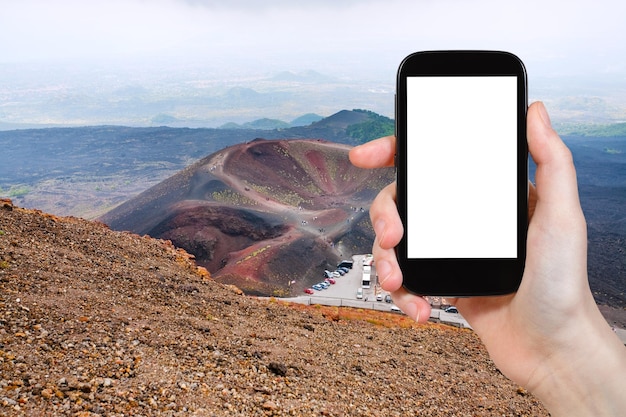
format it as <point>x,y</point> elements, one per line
<point>317,287</point>
<point>395,309</point>
<point>331,280</point>
<point>328,274</point>
<point>387,298</point>
<point>340,272</point>
<point>452,310</point>
<point>324,284</point>
<point>379,297</point>
<point>309,290</point>
<point>359,293</point>
<point>344,269</point>
<point>345,264</point>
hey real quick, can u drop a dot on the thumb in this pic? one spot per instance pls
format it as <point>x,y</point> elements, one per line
<point>555,177</point>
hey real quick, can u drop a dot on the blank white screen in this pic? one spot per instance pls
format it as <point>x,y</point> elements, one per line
<point>461,167</point>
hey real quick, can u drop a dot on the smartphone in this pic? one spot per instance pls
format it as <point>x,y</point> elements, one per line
<point>462,172</point>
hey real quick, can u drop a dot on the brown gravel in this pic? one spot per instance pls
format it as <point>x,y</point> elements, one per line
<point>101,323</point>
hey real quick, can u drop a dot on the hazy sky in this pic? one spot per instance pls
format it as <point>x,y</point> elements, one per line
<point>352,37</point>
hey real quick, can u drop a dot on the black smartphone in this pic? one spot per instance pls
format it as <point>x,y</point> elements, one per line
<point>462,172</point>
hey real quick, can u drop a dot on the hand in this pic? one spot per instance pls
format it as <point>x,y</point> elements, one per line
<point>551,324</point>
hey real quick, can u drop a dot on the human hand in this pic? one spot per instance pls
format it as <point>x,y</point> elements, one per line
<point>552,322</point>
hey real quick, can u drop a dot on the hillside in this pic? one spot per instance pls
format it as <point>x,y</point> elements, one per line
<point>268,216</point>
<point>95,322</point>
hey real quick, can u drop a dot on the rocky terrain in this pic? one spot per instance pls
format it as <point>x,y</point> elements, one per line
<point>268,215</point>
<point>95,322</point>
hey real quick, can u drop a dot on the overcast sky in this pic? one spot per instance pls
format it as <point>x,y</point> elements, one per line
<point>354,37</point>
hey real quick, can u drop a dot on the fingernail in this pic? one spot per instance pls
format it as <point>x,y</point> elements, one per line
<point>419,313</point>
<point>543,113</point>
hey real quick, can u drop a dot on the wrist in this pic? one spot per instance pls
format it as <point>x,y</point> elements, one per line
<point>587,377</point>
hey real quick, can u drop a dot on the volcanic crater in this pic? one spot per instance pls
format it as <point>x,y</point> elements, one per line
<point>262,214</point>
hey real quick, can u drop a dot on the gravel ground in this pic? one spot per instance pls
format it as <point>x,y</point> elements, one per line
<point>101,323</point>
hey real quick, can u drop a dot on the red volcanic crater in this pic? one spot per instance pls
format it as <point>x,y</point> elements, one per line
<point>264,214</point>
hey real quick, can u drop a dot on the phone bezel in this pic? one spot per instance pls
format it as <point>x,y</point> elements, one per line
<point>465,277</point>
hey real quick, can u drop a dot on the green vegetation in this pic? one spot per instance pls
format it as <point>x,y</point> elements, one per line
<point>254,254</point>
<point>232,197</point>
<point>374,127</point>
<point>287,197</point>
<point>280,293</point>
<point>290,198</point>
<point>16,191</point>
<point>593,130</point>
<point>312,188</point>
<point>281,151</point>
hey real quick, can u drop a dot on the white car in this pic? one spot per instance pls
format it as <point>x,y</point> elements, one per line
<point>359,293</point>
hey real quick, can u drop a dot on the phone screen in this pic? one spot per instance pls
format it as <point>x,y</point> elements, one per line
<point>461,149</point>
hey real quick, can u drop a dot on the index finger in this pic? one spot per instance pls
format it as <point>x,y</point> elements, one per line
<point>377,153</point>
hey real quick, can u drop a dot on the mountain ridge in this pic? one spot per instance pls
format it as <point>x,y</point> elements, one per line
<point>86,171</point>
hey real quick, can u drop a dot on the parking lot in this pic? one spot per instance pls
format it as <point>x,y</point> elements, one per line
<point>346,286</point>
<point>344,291</point>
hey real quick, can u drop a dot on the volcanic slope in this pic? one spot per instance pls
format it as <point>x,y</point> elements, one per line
<point>264,214</point>
<point>101,323</point>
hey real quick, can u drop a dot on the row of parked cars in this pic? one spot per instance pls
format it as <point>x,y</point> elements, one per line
<point>330,277</point>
